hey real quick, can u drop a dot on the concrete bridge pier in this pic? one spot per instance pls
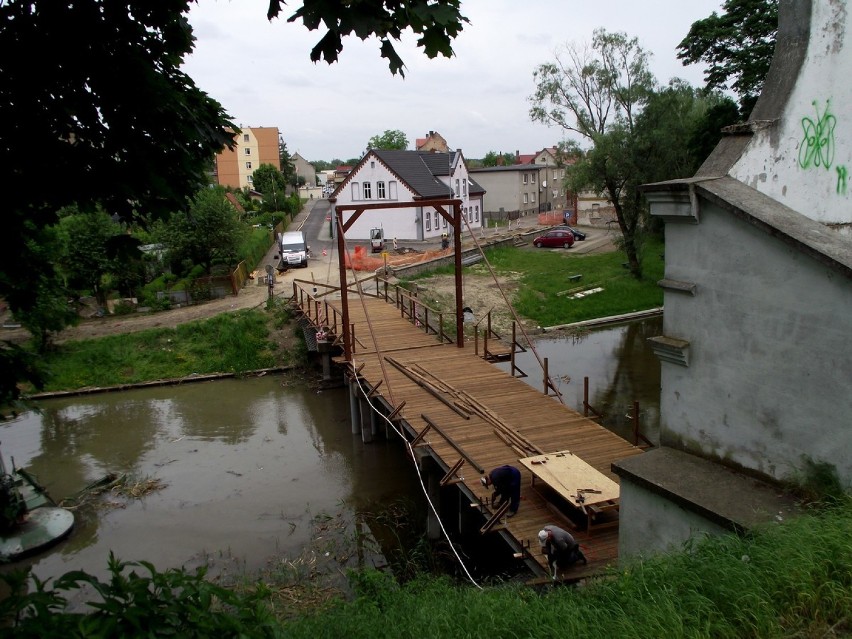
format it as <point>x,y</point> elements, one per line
<point>325,358</point>
<point>368,419</point>
<point>354,411</point>
<point>432,475</point>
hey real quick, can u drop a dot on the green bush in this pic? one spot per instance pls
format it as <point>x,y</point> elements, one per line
<point>173,603</point>
<point>123,308</point>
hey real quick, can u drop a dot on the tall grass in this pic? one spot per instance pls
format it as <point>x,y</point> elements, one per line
<point>790,579</point>
<point>227,343</point>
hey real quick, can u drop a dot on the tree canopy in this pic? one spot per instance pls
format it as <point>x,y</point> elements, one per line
<point>210,231</point>
<point>737,46</point>
<point>437,24</point>
<point>596,92</point>
<point>108,118</point>
<point>394,140</point>
<point>288,169</point>
<point>493,158</point>
<point>272,183</point>
<point>639,133</point>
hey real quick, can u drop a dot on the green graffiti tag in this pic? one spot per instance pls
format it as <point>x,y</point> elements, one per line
<point>842,174</point>
<point>817,147</point>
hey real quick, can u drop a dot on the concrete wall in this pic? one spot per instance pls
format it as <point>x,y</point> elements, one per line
<point>770,356</point>
<point>803,159</point>
<point>653,524</point>
<point>504,188</point>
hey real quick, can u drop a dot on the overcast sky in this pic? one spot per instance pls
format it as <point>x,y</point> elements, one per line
<point>478,100</point>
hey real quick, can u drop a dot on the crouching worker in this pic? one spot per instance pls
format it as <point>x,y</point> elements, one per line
<point>507,487</point>
<point>561,548</point>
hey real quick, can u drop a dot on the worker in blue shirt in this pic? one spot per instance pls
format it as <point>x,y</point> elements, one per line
<point>506,481</point>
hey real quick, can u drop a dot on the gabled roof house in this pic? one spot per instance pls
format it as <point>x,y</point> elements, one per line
<point>408,176</point>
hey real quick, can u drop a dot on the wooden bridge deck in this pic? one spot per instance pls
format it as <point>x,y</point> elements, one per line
<point>528,422</point>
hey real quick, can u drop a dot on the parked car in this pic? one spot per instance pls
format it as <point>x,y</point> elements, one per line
<point>557,238</point>
<point>578,235</point>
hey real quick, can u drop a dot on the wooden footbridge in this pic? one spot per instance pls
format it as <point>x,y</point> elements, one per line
<point>459,409</point>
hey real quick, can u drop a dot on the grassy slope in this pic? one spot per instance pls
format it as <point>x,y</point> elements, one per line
<point>227,343</point>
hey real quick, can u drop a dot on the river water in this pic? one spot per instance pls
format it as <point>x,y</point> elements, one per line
<point>257,469</point>
<point>620,366</point>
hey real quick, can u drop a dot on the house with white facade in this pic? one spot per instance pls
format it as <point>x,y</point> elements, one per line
<point>386,176</point>
<point>756,351</point>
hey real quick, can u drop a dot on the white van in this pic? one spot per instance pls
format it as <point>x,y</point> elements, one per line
<point>293,250</point>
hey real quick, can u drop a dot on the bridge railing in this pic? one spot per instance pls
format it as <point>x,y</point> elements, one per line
<point>312,298</point>
<point>412,308</point>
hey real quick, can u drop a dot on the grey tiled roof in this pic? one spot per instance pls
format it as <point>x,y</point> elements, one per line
<point>418,170</point>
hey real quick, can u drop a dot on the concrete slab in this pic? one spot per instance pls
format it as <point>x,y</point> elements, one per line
<point>732,500</point>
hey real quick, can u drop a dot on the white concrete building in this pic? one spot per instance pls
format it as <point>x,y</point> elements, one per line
<point>384,176</point>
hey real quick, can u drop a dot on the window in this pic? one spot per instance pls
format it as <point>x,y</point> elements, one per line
<point>428,222</point>
<point>532,178</point>
<point>526,177</point>
<point>464,212</point>
<point>372,164</point>
<point>356,191</point>
<point>526,198</point>
<point>380,190</point>
<point>464,187</point>
<point>248,151</point>
<point>555,175</point>
<point>248,165</point>
<point>246,137</point>
<point>368,191</point>
<point>457,191</point>
<point>249,179</point>
<point>532,197</point>
<point>477,213</point>
<point>445,222</point>
<point>436,220</point>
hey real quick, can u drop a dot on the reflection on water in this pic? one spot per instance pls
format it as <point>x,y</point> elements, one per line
<point>247,464</point>
<point>621,369</point>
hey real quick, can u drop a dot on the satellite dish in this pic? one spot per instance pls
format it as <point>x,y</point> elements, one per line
<point>269,269</point>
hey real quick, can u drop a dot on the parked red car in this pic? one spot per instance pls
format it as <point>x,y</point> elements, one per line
<point>557,238</point>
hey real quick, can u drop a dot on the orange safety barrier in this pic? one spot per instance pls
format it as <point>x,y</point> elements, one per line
<point>362,260</point>
<point>550,219</point>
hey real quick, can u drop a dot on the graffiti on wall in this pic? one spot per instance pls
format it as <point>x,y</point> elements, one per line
<point>817,147</point>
